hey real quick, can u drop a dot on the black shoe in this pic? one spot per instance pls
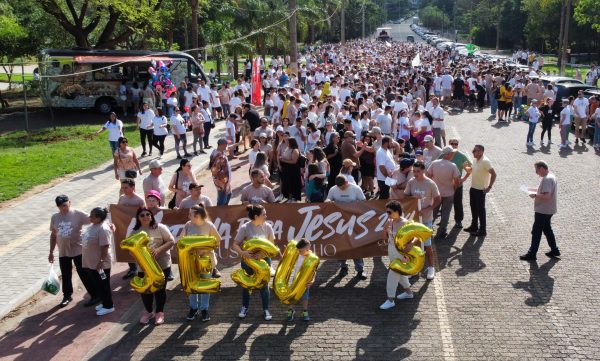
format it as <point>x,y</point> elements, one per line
<point>170,277</point>
<point>441,235</point>
<point>480,233</point>
<point>130,274</point>
<point>143,154</point>
<point>187,155</point>
<point>361,275</point>
<point>191,316</point>
<point>576,140</point>
<point>178,157</point>
<point>92,302</point>
<point>205,316</point>
<point>458,225</point>
<point>527,257</point>
<point>470,229</point>
<point>208,146</point>
<point>216,273</point>
<point>343,272</point>
<point>195,153</point>
<point>65,301</point>
<point>553,254</point>
<point>202,152</point>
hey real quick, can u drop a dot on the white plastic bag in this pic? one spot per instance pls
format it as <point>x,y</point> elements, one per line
<point>51,284</point>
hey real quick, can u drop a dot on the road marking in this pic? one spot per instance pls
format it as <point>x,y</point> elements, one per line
<point>445,328</point>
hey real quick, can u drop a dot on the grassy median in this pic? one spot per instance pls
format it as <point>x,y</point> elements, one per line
<point>46,154</point>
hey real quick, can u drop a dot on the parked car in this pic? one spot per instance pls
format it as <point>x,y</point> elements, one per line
<point>559,80</point>
<point>590,127</point>
<point>565,90</point>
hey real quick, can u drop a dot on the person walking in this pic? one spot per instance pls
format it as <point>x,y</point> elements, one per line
<point>65,233</point>
<point>115,131</point>
<point>483,177</point>
<point>384,160</point>
<point>221,172</point>
<point>462,162</point>
<point>534,116</point>
<point>446,176</point>
<point>126,165</point>
<point>160,132</point>
<point>181,180</point>
<point>544,197</point>
<point>144,123</point>
<point>154,180</point>
<point>179,133</point>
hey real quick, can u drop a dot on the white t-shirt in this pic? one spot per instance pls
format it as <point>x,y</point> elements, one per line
<point>352,193</point>
<point>384,158</point>
<point>438,112</point>
<point>188,97</point>
<point>230,128</point>
<point>158,121</point>
<point>566,112</point>
<point>114,130</point>
<point>146,119</point>
<point>384,121</point>
<point>177,122</point>
<point>580,106</point>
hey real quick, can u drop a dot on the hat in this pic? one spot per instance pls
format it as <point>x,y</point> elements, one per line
<point>262,135</point>
<point>565,100</point>
<point>194,185</point>
<point>154,193</point>
<point>428,138</point>
<point>61,199</point>
<point>348,162</point>
<point>406,162</point>
<point>221,141</point>
<point>155,164</point>
<point>376,130</point>
<point>279,129</point>
<point>419,152</point>
<point>348,133</point>
<point>447,150</point>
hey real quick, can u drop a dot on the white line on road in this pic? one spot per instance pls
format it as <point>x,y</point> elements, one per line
<point>445,328</point>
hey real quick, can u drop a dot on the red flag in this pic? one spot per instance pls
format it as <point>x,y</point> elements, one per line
<point>256,84</point>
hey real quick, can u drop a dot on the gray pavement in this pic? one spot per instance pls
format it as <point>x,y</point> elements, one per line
<point>24,242</point>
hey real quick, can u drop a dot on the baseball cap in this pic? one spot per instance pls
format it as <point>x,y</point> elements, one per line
<point>447,150</point>
<point>155,164</point>
<point>419,152</point>
<point>262,135</point>
<point>153,193</point>
<point>61,199</point>
<point>279,129</point>
<point>428,138</point>
<point>348,162</point>
<point>406,162</point>
<point>348,134</point>
<point>195,185</point>
<point>221,141</point>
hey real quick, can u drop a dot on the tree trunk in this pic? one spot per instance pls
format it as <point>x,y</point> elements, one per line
<point>498,37</point>
<point>565,46</point>
<point>311,33</point>
<point>293,37</point>
<point>235,64</point>
<point>560,36</point>
<point>186,35</point>
<point>194,30</point>
<point>343,22</point>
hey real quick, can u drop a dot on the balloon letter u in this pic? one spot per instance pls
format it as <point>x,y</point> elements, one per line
<point>291,294</point>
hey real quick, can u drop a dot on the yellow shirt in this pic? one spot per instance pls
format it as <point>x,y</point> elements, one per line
<point>480,177</point>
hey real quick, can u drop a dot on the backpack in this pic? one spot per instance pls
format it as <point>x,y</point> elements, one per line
<point>497,94</point>
<point>318,192</point>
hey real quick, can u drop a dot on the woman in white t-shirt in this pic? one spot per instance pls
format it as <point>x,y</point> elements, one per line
<point>178,127</point>
<point>115,131</point>
<point>160,131</point>
<point>144,122</point>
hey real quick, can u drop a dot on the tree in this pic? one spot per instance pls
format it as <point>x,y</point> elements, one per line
<point>101,23</point>
<point>588,12</point>
<point>12,39</point>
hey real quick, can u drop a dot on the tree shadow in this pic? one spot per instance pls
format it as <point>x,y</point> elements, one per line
<point>235,346</point>
<point>178,340</point>
<point>540,284</point>
<point>262,346</point>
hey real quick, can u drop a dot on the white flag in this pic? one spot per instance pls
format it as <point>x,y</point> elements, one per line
<point>388,44</point>
<point>417,60</point>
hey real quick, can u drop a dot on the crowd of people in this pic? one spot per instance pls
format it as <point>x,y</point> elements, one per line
<point>357,122</point>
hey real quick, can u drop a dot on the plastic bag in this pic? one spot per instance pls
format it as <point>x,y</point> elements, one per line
<point>51,284</point>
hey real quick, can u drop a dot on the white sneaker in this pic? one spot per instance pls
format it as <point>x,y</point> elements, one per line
<point>243,312</point>
<point>532,144</point>
<point>387,305</point>
<point>430,273</point>
<point>550,142</point>
<point>98,306</point>
<point>405,296</point>
<point>268,316</point>
<point>105,311</point>
<point>272,271</point>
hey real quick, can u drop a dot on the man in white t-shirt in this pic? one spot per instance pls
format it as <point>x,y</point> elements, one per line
<point>446,83</point>
<point>386,165</point>
<point>438,122</point>
<point>345,192</point>
<point>384,121</point>
<point>581,116</point>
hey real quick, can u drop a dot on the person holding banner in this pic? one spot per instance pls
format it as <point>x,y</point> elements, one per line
<point>257,227</point>
<point>161,242</point>
<point>200,225</point>
<point>394,223</point>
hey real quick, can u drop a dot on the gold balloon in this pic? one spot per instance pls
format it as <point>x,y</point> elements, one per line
<point>416,256</point>
<point>287,294</point>
<point>154,278</point>
<point>191,266</point>
<point>262,271</point>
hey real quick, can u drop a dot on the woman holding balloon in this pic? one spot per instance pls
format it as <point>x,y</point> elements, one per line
<point>161,242</point>
<point>257,227</point>
<point>200,225</point>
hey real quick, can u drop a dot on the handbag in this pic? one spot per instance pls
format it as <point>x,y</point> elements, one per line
<point>173,200</point>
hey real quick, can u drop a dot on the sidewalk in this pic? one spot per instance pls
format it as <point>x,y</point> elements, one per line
<point>24,241</point>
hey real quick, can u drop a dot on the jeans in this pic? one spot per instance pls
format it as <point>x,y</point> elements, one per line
<point>207,128</point>
<point>223,198</point>
<point>597,134</point>
<point>159,143</point>
<point>160,296</point>
<point>541,224</point>
<point>446,207</point>
<point>113,146</point>
<point>427,242</point>
<point>264,292</point>
<point>437,135</point>
<point>477,203</point>
<point>101,286</point>
<point>226,110</point>
<point>459,213</point>
<point>359,264</point>
<point>493,105</point>
<point>146,133</point>
<point>182,138</point>
<point>66,269</point>
<point>517,103</point>
<point>197,139</point>
<point>530,132</point>
<point>200,300</point>
<point>384,190</point>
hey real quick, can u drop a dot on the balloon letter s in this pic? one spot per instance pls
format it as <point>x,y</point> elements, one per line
<point>416,256</point>
<point>261,270</point>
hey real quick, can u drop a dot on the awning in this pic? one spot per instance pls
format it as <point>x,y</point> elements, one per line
<point>118,59</point>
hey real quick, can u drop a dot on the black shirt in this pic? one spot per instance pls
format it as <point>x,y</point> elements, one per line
<point>253,119</point>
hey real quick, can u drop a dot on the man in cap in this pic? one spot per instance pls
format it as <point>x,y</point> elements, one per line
<point>565,124</point>
<point>431,151</point>
<point>345,192</point>
<point>446,176</point>
<point>65,232</point>
<point>196,197</point>
<point>154,180</point>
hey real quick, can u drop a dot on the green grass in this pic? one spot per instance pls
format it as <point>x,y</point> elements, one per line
<point>569,71</point>
<point>16,77</point>
<point>46,154</point>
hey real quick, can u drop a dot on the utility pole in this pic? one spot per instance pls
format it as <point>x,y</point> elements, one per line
<point>293,37</point>
<point>343,22</point>
<point>565,46</point>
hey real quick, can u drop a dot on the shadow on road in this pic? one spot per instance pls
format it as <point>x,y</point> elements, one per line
<point>540,284</point>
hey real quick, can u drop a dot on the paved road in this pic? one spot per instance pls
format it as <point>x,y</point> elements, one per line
<point>399,32</point>
<point>483,304</point>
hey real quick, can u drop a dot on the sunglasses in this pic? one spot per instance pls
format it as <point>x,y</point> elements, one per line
<point>145,214</point>
<point>456,144</point>
<point>389,212</point>
<point>124,142</point>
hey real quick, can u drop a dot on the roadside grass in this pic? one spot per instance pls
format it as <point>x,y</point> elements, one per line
<point>16,77</point>
<point>569,70</point>
<point>45,154</point>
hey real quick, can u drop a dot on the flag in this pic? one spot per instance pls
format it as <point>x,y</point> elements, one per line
<point>416,60</point>
<point>388,44</point>
<point>256,84</point>
<point>472,49</point>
